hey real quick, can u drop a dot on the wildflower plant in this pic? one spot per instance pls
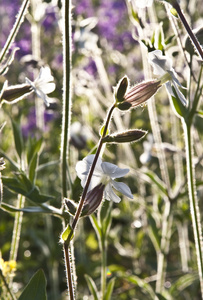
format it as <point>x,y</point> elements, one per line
<point>120,213</point>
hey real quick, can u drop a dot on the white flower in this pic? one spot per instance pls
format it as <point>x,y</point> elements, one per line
<point>43,84</point>
<point>143,3</point>
<point>104,173</point>
<point>162,65</point>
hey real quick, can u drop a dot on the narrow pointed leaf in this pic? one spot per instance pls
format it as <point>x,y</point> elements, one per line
<point>92,286</point>
<point>17,138</point>
<point>109,289</point>
<point>36,288</point>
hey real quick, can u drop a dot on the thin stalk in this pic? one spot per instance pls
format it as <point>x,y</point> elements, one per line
<point>188,29</point>
<point>66,117</point>
<point>194,207</point>
<point>103,269</point>
<point>16,232</point>
<point>82,200</point>
<point>67,82</point>
<point>80,206</point>
<point>7,286</point>
<point>14,31</point>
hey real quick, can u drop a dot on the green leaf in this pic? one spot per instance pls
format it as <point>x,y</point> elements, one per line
<point>20,184</point>
<point>106,223</point>
<point>157,181</point>
<point>36,288</point>
<point>18,138</point>
<point>67,233</point>
<point>145,287</point>
<point>33,148</point>
<point>96,226</point>
<point>182,283</point>
<point>102,131</point>
<point>92,286</point>
<point>154,232</point>
<point>179,107</point>
<point>48,209</point>
<point>32,168</point>
<point>109,289</point>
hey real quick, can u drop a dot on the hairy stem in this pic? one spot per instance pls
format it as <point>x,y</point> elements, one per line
<point>15,29</point>
<point>66,116</point>
<point>82,200</point>
<point>194,207</point>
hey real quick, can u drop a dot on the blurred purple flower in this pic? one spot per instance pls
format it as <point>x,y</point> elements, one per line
<point>50,19</point>
<point>91,67</point>
<point>112,21</point>
<point>30,127</point>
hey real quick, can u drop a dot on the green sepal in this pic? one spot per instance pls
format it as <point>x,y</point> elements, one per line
<point>127,136</point>
<point>121,89</point>
<point>124,105</point>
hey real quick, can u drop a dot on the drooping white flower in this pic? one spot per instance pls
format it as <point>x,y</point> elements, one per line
<point>162,65</point>
<point>104,173</point>
<point>43,84</point>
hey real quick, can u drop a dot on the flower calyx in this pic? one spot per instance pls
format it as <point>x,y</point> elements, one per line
<point>138,94</point>
<point>125,136</point>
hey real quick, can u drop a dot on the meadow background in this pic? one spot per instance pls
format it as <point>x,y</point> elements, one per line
<point>150,248</point>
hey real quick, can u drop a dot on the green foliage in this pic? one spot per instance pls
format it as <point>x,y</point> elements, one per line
<point>36,288</point>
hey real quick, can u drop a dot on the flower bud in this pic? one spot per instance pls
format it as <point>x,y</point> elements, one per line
<point>121,89</point>
<point>141,93</point>
<point>125,137</point>
<point>92,201</point>
<point>13,93</point>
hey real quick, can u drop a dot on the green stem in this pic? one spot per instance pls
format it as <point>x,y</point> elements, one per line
<point>67,81</point>
<point>189,31</point>
<point>194,208</point>
<point>14,31</point>
<point>66,116</point>
<point>103,268</point>
<point>16,232</point>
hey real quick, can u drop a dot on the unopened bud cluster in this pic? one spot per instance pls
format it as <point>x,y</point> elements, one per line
<point>127,98</point>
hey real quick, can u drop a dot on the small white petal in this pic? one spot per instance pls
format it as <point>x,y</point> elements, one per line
<point>110,195</point>
<point>160,63</point>
<point>123,188</point>
<point>113,171</point>
<point>143,3</point>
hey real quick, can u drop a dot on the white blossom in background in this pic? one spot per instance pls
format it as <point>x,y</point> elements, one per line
<point>162,65</point>
<point>43,84</point>
<point>104,173</point>
<point>143,3</point>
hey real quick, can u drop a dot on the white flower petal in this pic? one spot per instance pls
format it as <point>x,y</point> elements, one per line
<point>110,195</point>
<point>123,188</point>
<point>143,3</point>
<point>113,171</point>
<point>160,63</point>
<point>47,88</point>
